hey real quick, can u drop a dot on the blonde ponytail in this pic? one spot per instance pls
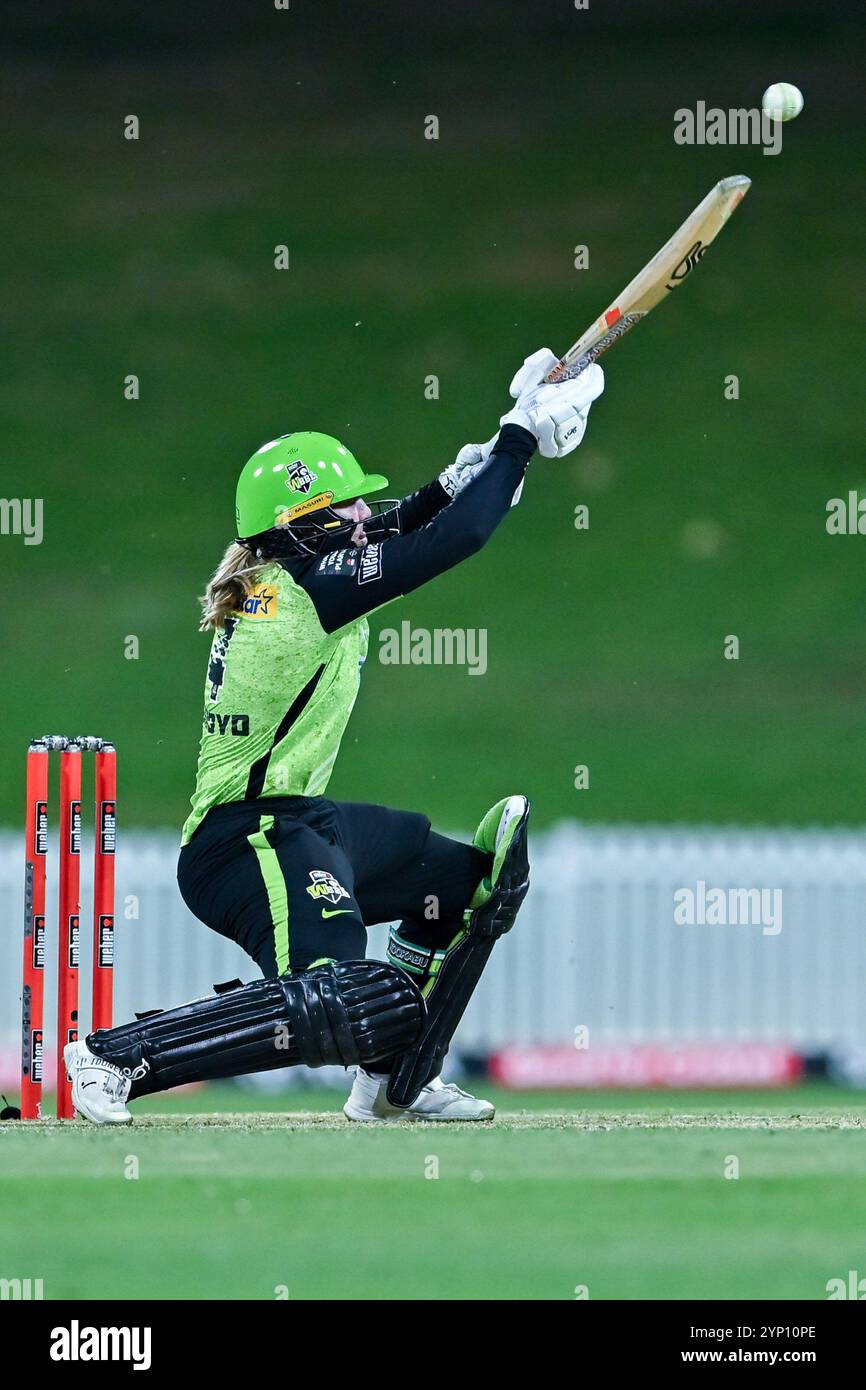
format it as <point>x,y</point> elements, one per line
<point>231,584</point>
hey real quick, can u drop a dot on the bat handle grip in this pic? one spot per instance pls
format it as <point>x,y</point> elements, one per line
<point>557,373</point>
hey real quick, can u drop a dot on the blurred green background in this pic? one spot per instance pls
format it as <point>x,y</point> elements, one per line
<point>454,258</point>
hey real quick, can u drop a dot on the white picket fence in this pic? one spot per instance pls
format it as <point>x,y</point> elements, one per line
<point>596,943</point>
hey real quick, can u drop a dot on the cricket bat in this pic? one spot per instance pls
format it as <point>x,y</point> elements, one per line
<point>668,268</point>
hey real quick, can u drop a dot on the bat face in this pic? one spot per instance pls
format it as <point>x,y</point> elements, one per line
<point>668,268</point>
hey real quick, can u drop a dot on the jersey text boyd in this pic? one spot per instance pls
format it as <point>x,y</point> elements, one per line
<point>227,723</point>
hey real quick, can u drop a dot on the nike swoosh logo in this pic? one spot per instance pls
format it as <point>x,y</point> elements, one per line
<point>341,912</point>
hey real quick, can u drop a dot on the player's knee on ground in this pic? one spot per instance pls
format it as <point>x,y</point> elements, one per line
<point>351,1012</point>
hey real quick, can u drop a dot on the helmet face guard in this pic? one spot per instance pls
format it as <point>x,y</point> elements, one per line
<point>324,530</point>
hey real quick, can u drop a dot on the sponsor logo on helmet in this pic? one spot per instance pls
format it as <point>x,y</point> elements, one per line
<point>262,602</point>
<point>300,478</point>
<point>324,885</point>
<point>286,515</point>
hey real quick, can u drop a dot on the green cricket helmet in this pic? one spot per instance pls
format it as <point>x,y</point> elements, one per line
<point>293,484</point>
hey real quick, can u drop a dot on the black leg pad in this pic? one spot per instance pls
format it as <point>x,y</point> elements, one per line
<point>338,1014</point>
<point>449,992</point>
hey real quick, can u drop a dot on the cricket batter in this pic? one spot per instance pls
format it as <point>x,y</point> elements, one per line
<point>267,859</point>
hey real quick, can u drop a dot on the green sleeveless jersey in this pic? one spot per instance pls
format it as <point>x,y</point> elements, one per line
<point>278,696</point>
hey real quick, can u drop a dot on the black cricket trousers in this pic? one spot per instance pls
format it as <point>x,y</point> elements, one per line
<point>296,880</point>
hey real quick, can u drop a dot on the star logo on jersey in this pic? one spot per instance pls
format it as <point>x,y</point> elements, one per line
<point>261,603</point>
<point>325,886</point>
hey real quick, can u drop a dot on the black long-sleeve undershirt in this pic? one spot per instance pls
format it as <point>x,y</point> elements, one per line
<point>346,584</point>
<point>419,508</point>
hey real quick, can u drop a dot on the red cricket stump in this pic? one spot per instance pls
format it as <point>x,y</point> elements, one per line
<point>105,833</point>
<point>69,921</point>
<point>33,994</point>
<point>69,907</point>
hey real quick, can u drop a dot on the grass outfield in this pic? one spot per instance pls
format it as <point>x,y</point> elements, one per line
<point>623,1193</point>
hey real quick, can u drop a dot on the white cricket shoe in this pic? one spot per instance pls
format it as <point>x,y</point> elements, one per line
<point>369,1103</point>
<point>100,1090</point>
